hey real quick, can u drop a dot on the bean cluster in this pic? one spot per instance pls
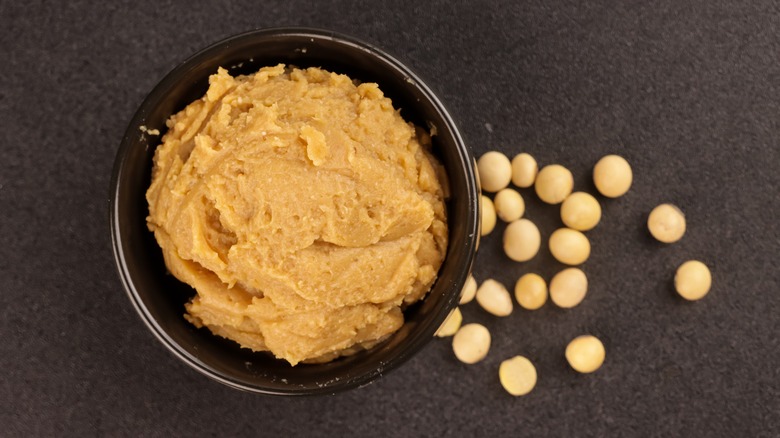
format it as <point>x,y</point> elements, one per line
<point>580,212</point>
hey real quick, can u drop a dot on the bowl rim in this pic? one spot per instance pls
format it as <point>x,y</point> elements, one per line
<point>464,154</point>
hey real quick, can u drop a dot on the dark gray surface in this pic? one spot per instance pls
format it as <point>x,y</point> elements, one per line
<point>687,91</point>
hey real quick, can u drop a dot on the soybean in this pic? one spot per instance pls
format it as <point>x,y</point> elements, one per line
<point>666,223</point>
<point>585,353</point>
<point>554,183</point>
<point>469,290</point>
<point>569,246</point>
<point>509,205</point>
<point>494,298</point>
<point>524,170</point>
<point>580,211</point>
<point>488,215</point>
<point>517,375</point>
<point>495,171</point>
<point>521,240</point>
<point>531,291</point>
<point>568,287</point>
<point>612,176</point>
<point>450,325</point>
<point>471,343</point>
<point>693,280</point>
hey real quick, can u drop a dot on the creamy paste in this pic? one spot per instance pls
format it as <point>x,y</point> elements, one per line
<point>303,210</point>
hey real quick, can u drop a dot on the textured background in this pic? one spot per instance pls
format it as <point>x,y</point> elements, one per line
<point>688,91</point>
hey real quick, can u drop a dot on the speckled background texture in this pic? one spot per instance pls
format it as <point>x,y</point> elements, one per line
<point>687,91</point>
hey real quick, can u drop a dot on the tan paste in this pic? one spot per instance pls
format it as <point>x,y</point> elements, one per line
<point>301,207</point>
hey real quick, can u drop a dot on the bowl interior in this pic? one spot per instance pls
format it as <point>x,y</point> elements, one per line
<point>160,298</point>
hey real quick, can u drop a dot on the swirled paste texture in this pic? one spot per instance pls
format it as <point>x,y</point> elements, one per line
<point>301,207</point>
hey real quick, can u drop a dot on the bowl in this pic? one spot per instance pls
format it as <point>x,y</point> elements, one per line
<point>159,298</point>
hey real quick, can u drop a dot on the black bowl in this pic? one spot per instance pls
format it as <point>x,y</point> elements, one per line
<point>159,297</point>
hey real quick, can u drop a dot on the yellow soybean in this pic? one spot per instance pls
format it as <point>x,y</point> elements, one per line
<point>612,176</point>
<point>693,280</point>
<point>580,211</point>
<point>569,246</point>
<point>495,171</point>
<point>450,325</point>
<point>488,215</point>
<point>494,298</point>
<point>568,287</point>
<point>469,290</point>
<point>531,291</point>
<point>517,375</point>
<point>509,205</point>
<point>524,170</point>
<point>521,240</point>
<point>585,353</point>
<point>471,343</point>
<point>554,183</point>
<point>666,223</point>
